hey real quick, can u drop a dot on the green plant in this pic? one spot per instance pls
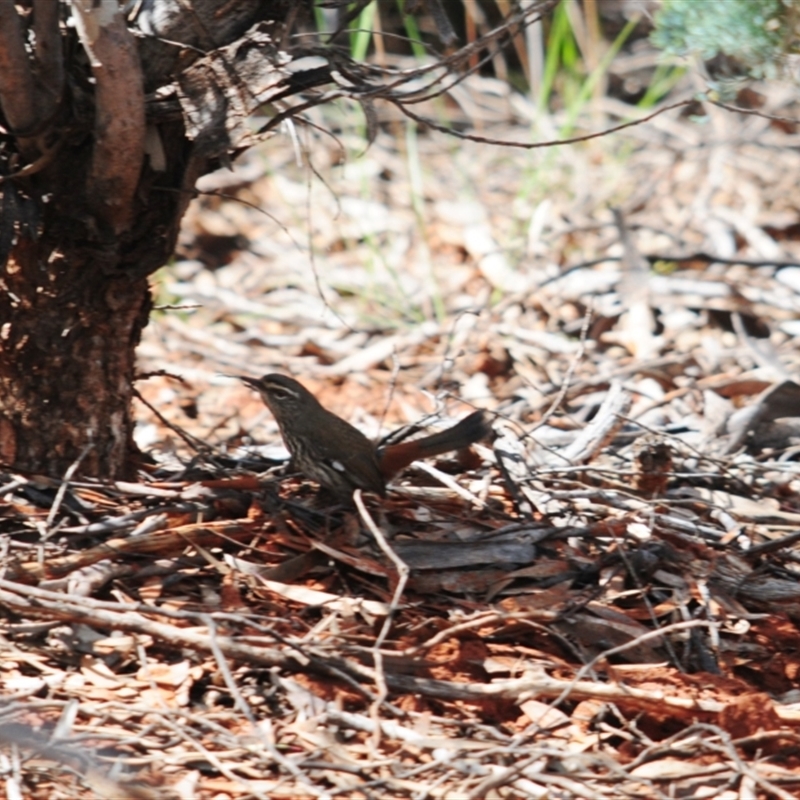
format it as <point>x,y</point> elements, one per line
<point>361,36</point>
<point>757,34</point>
<point>586,88</point>
<point>665,77</point>
<point>562,53</point>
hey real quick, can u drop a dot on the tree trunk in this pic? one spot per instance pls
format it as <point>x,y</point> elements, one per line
<point>73,305</point>
<point>67,360</point>
<point>92,197</point>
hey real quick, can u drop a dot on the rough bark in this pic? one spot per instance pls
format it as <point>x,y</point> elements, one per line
<point>86,216</point>
<point>73,302</point>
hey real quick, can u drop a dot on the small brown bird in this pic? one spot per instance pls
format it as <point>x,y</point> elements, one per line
<point>337,455</point>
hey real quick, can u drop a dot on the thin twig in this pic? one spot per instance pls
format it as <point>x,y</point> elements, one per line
<point>62,489</point>
<point>402,579</point>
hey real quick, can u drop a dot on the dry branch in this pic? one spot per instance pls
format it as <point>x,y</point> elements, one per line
<point>49,56</point>
<point>119,115</point>
<point>17,89</point>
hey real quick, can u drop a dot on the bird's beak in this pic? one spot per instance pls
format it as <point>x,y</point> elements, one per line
<point>252,382</point>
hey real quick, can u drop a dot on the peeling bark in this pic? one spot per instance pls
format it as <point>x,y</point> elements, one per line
<point>119,124</point>
<point>85,218</point>
<point>17,89</point>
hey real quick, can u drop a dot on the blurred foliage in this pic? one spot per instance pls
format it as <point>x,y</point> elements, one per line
<point>753,36</point>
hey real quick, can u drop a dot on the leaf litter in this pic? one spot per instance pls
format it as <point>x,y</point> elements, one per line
<point>601,602</point>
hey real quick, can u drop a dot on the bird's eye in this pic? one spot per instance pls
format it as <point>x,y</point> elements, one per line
<point>279,394</point>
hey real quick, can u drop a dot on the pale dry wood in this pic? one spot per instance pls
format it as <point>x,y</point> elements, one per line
<point>601,429</point>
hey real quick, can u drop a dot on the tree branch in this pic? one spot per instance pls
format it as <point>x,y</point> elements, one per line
<point>17,88</point>
<point>49,56</point>
<point>120,119</point>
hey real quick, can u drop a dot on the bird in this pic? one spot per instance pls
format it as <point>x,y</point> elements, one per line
<point>338,456</point>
